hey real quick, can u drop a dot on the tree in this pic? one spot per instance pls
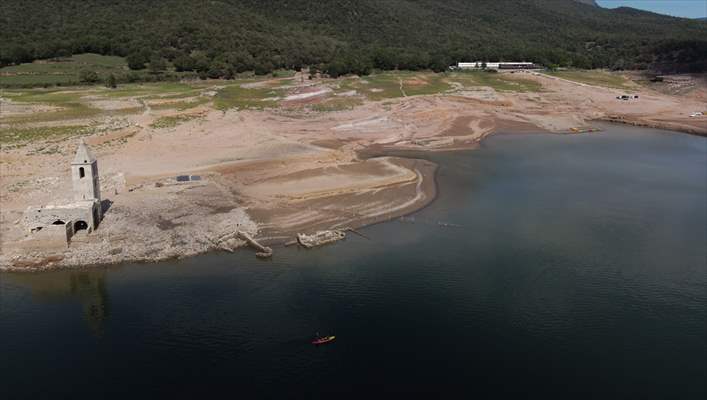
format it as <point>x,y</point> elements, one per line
<point>263,66</point>
<point>439,65</point>
<point>619,65</point>
<point>88,76</point>
<point>216,70</point>
<point>137,60</point>
<point>228,73</point>
<point>385,58</point>
<point>19,54</point>
<point>111,82</point>
<point>202,63</point>
<point>133,77</point>
<point>157,64</point>
<point>483,65</point>
<point>183,62</point>
<point>239,61</point>
<point>62,53</point>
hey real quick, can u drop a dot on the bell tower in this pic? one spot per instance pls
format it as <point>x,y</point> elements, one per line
<point>84,175</point>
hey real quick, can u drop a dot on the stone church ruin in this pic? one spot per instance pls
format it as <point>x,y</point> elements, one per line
<point>59,223</point>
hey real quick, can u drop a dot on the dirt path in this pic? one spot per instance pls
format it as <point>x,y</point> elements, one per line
<point>402,88</point>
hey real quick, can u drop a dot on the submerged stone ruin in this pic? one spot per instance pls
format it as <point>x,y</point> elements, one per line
<point>57,224</point>
<point>320,238</point>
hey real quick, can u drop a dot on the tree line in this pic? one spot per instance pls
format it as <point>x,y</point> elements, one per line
<point>219,39</point>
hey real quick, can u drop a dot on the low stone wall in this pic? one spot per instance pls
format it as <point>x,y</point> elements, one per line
<point>50,237</point>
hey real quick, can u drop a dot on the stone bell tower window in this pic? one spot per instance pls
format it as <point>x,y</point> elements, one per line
<point>84,175</point>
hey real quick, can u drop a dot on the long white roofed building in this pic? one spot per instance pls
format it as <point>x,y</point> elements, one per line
<point>508,65</point>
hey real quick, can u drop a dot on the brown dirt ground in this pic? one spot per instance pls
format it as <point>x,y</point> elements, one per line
<point>285,172</point>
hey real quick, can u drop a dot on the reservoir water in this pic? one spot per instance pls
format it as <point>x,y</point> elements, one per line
<point>549,266</point>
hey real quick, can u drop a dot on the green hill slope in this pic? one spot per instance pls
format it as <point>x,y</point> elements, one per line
<point>218,38</point>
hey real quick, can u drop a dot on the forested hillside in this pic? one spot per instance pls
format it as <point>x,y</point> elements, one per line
<point>220,38</point>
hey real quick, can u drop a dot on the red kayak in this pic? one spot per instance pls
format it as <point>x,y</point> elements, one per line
<point>323,340</point>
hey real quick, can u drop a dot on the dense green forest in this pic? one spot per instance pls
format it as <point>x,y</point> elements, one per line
<point>220,38</point>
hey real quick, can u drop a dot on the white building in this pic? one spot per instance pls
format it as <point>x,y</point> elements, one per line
<point>497,65</point>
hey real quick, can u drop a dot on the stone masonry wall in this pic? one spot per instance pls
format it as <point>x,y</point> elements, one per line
<point>42,216</point>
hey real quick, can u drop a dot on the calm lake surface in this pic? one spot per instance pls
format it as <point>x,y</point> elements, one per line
<point>576,267</point>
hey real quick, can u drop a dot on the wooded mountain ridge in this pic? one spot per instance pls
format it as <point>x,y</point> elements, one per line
<point>223,37</point>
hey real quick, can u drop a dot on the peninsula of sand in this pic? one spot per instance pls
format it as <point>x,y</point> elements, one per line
<point>274,157</point>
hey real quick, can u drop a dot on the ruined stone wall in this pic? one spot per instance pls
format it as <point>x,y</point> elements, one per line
<point>51,237</point>
<point>59,233</point>
<point>36,217</point>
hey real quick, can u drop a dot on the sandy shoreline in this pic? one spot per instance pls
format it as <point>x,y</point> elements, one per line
<point>400,199</point>
<point>697,129</point>
<point>274,173</point>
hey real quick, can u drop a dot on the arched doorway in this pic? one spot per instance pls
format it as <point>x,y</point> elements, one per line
<point>80,226</point>
<point>58,222</point>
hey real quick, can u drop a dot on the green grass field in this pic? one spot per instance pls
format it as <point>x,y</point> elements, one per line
<point>15,135</point>
<point>283,73</point>
<point>337,104</point>
<point>499,82</point>
<point>236,96</point>
<point>379,86</point>
<point>156,90</point>
<point>172,121</point>
<point>181,105</point>
<point>426,84</point>
<point>595,77</point>
<point>67,72</point>
<point>69,105</point>
<point>63,71</point>
<point>390,85</point>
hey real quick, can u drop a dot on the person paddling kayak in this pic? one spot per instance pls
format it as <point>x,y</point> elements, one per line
<point>322,339</point>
